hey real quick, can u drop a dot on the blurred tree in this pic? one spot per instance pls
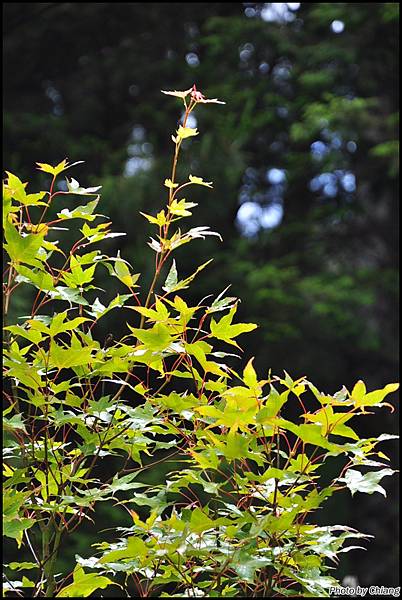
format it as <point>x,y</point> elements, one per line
<point>304,162</point>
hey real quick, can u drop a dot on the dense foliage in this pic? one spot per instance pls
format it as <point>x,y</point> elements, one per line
<point>310,130</point>
<point>243,459</point>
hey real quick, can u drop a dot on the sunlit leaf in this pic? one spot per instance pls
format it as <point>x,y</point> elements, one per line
<point>199,181</point>
<point>365,483</point>
<point>224,330</point>
<point>84,584</point>
<point>74,188</point>
<point>185,132</point>
<point>178,94</point>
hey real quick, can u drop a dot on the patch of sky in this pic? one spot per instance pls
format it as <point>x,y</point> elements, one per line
<point>282,71</point>
<point>61,185</point>
<point>348,181</point>
<point>329,135</point>
<point>249,11</point>
<point>319,149</point>
<point>282,112</point>
<point>260,208</point>
<point>138,149</point>
<point>275,176</point>
<point>246,51</point>
<point>147,148</point>
<point>271,216</point>
<point>251,174</point>
<point>191,120</point>
<point>138,133</point>
<point>245,194</point>
<point>139,152</point>
<point>248,218</point>
<point>320,181</point>
<point>330,189</point>
<point>251,217</point>
<point>279,12</point>
<point>192,59</point>
<point>136,164</point>
<point>336,142</point>
<point>337,26</point>
<point>329,184</point>
<point>333,141</point>
<point>54,95</point>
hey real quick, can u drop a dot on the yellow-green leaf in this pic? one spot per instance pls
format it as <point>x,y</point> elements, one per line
<point>359,390</point>
<point>224,330</point>
<point>377,396</point>
<point>156,339</point>
<point>179,208</point>
<point>53,170</point>
<point>199,181</point>
<point>250,376</point>
<point>84,584</point>
<point>160,218</point>
<point>185,132</point>
<point>169,184</point>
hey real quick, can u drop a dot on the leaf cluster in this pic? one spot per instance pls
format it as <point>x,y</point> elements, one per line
<point>232,517</point>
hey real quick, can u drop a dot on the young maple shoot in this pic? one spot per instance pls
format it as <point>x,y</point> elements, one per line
<point>238,480</point>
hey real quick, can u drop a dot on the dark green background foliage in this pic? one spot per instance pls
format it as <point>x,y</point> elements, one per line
<point>308,131</point>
